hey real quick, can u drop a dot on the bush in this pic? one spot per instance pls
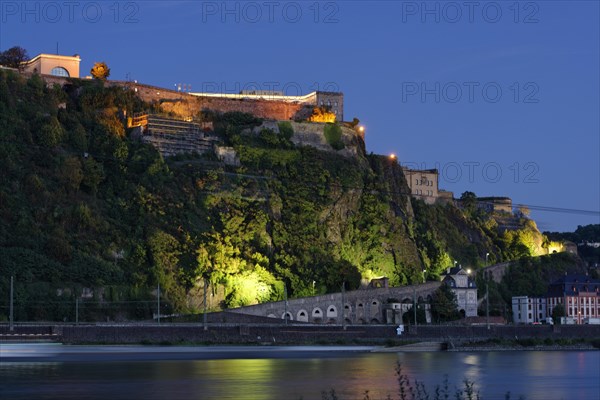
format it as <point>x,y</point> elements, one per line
<point>286,129</point>
<point>333,135</point>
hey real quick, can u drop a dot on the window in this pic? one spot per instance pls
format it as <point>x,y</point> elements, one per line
<point>59,71</point>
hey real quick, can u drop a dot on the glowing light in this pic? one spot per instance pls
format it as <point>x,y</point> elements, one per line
<point>361,129</point>
<point>392,156</point>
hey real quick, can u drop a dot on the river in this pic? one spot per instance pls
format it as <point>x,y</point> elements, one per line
<point>242,373</point>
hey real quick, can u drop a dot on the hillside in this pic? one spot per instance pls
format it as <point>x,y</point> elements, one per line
<point>85,208</point>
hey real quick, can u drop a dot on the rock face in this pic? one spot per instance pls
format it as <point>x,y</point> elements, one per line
<point>313,134</point>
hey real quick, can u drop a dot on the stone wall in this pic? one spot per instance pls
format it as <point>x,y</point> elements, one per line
<point>294,333</point>
<point>312,134</point>
<point>185,105</point>
<point>366,306</point>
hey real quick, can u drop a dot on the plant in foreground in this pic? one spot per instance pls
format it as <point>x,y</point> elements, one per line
<point>409,390</point>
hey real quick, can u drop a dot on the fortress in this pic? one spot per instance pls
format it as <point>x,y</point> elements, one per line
<point>267,105</point>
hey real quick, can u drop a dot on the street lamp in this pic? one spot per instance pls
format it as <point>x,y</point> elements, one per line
<point>424,275</point>
<point>486,258</point>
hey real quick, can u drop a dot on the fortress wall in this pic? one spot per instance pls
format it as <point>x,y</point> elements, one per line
<point>185,104</point>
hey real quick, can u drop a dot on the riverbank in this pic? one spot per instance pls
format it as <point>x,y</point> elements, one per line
<point>455,337</point>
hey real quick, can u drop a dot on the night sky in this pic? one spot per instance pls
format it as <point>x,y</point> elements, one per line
<point>502,97</point>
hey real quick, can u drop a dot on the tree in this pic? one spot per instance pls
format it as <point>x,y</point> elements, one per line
<point>444,306</point>
<point>14,57</point>
<point>100,71</point>
<point>557,313</point>
<point>408,317</point>
<point>469,201</point>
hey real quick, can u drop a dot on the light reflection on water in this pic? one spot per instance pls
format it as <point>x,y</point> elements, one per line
<point>537,375</point>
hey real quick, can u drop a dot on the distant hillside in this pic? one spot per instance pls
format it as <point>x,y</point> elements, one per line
<point>82,205</point>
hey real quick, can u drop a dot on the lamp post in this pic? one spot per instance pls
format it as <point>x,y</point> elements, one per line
<point>11,317</point>
<point>467,293</point>
<point>486,258</point>
<point>424,275</point>
<point>158,303</point>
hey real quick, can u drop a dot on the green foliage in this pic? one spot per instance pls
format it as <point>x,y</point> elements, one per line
<point>557,313</point>
<point>333,135</point>
<point>409,316</point>
<point>444,306</point>
<point>83,206</point>
<point>286,129</point>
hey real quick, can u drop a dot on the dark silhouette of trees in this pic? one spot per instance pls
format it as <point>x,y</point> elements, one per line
<point>14,57</point>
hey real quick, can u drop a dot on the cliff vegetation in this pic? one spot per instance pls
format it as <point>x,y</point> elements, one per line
<point>86,210</point>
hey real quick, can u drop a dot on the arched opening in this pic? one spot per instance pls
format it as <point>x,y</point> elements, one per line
<point>289,316</point>
<point>317,315</point>
<point>60,71</point>
<point>375,321</point>
<point>302,316</point>
<point>347,321</point>
<point>331,312</point>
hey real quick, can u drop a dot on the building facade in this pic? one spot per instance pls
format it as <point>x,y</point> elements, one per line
<point>579,294</point>
<point>54,64</point>
<point>495,204</point>
<point>529,310</point>
<point>423,183</point>
<point>465,289</point>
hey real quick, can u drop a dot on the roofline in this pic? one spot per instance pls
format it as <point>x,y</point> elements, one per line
<point>53,56</point>
<point>272,97</point>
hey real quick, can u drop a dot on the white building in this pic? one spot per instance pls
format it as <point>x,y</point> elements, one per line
<point>464,288</point>
<point>529,310</point>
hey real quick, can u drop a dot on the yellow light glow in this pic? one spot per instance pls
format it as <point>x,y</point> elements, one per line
<point>361,129</point>
<point>392,156</point>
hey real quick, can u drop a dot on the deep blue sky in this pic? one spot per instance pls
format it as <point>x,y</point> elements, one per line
<point>526,122</point>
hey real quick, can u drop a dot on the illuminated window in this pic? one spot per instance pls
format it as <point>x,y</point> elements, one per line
<point>59,71</point>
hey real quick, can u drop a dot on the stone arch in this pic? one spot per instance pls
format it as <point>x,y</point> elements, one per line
<point>375,321</point>
<point>271,316</point>
<point>360,305</point>
<point>289,316</point>
<point>374,303</point>
<point>317,315</point>
<point>362,321</point>
<point>302,316</point>
<point>332,311</point>
<point>348,321</point>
